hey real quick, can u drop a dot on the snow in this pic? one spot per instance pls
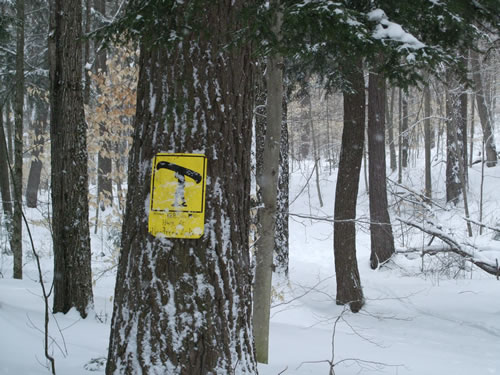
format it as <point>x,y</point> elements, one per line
<point>386,29</point>
<point>419,318</point>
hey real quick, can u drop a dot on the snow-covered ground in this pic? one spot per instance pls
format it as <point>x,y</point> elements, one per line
<point>436,316</point>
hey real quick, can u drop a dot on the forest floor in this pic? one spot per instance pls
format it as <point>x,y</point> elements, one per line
<point>431,315</point>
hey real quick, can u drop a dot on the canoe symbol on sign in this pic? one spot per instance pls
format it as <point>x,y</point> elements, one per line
<point>180,174</point>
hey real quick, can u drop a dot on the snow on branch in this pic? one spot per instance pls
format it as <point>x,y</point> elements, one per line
<point>387,30</point>
<point>467,251</point>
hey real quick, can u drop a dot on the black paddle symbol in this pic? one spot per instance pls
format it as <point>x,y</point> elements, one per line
<point>180,175</point>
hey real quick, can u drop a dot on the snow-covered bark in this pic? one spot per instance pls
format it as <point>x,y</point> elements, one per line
<point>183,306</point>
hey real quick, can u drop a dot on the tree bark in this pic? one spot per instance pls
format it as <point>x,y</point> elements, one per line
<point>453,150</point>
<point>484,115</point>
<point>281,249</point>
<point>17,227</point>
<point>382,239</point>
<point>183,306</point>
<point>70,221</point>
<point>344,240</point>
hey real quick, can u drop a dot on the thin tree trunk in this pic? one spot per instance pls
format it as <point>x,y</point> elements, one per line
<point>400,136</point>
<point>70,211</point>
<point>4,177</point>
<point>472,122</point>
<point>404,130</point>
<point>484,115</point>
<point>269,189</point>
<point>281,248</point>
<point>344,243</point>
<point>390,123</point>
<point>329,150</point>
<point>427,142</point>
<point>315,151</point>
<point>36,164</point>
<point>17,228</point>
<point>8,123</point>
<point>453,150</point>
<point>382,240</point>
<point>462,132</point>
<point>104,162</point>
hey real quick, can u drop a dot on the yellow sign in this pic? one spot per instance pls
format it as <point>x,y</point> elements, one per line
<point>177,197</point>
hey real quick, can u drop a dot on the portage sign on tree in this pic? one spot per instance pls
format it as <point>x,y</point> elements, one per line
<point>177,199</point>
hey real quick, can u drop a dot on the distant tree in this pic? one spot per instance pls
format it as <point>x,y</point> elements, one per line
<point>39,125</point>
<point>485,115</point>
<point>104,161</point>
<point>69,176</point>
<point>17,234</point>
<point>427,141</point>
<point>183,306</point>
<point>4,177</point>
<point>454,144</point>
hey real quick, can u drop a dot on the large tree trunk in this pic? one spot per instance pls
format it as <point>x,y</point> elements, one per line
<point>484,114</point>
<point>344,240</point>
<point>70,221</point>
<point>183,306</point>
<point>17,228</point>
<point>36,164</point>
<point>382,240</point>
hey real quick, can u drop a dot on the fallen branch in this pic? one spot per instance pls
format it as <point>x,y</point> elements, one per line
<point>454,246</point>
<point>478,223</point>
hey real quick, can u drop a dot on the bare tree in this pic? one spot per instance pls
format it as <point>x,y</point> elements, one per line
<point>484,113</point>
<point>427,141</point>
<point>454,153</point>
<point>344,239</point>
<point>104,162</point>
<point>4,176</point>
<point>39,126</point>
<point>17,228</point>
<point>382,240</point>
<point>268,184</point>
